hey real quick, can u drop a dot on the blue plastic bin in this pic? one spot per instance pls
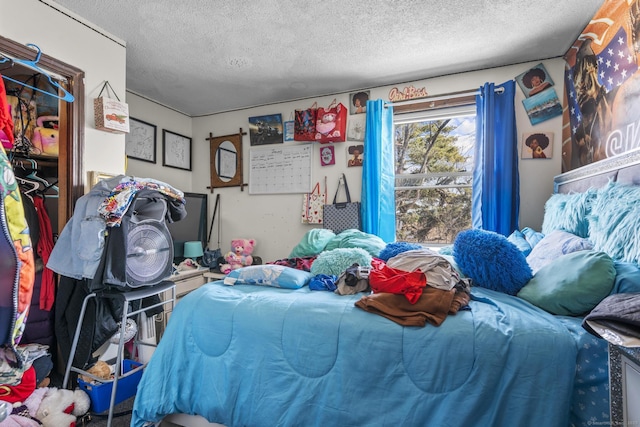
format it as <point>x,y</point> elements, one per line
<point>100,394</point>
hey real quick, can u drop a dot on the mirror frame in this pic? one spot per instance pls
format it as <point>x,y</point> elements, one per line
<point>215,142</point>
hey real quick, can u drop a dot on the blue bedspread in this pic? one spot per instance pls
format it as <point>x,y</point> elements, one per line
<point>257,356</point>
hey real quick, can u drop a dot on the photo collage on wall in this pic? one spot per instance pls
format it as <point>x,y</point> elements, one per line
<point>270,129</point>
<point>541,102</point>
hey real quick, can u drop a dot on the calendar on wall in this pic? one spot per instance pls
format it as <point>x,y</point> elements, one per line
<point>280,169</point>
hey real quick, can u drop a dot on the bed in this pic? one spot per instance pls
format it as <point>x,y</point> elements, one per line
<point>248,355</point>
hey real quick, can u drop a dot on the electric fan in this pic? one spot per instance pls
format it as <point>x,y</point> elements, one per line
<point>140,250</point>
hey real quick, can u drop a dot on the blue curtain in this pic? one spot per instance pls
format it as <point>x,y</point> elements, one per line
<point>496,194</point>
<point>378,202</point>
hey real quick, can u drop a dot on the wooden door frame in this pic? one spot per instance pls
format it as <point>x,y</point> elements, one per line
<point>70,172</point>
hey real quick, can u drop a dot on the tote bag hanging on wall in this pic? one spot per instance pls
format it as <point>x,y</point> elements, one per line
<point>313,205</point>
<point>331,123</point>
<point>340,216</point>
<point>305,124</point>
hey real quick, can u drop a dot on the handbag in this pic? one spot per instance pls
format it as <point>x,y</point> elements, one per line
<point>331,123</point>
<point>210,256</point>
<point>313,204</point>
<point>338,217</point>
<point>305,124</point>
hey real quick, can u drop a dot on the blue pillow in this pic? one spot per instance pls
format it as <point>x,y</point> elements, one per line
<point>572,284</point>
<point>518,239</point>
<point>553,245</point>
<point>312,243</point>
<point>395,248</point>
<point>568,212</point>
<point>532,236</point>
<point>491,261</point>
<point>278,276</point>
<point>627,278</point>
<point>614,223</point>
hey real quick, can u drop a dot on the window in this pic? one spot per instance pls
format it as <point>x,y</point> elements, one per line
<point>433,169</point>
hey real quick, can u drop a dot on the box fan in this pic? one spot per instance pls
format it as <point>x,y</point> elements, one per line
<point>141,248</point>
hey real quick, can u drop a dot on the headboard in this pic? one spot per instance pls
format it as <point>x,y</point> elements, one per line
<point>624,168</point>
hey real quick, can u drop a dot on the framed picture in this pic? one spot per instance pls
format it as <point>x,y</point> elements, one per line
<point>327,155</point>
<point>355,155</point>
<point>176,150</point>
<point>542,106</point>
<point>356,126</point>
<point>537,145</point>
<point>534,80</point>
<point>358,102</point>
<point>265,129</point>
<point>140,142</point>
<point>289,130</point>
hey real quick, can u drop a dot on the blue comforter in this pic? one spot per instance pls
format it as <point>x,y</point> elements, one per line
<point>258,356</point>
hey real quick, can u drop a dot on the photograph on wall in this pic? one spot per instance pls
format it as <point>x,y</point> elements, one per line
<point>327,155</point>
<point>355,155</point>
<point>289,127</point>
<point>537,145</point>
<point>602,85</point>
<point>265,129</point>
<point>542,106</point>
<point>355,128</point>
<point>534,80</point>
<point>358,102</point>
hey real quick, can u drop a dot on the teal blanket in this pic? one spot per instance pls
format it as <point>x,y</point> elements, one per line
<point>258,356</point>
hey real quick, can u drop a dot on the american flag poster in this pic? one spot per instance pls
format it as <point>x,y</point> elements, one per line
<point>602,86</point>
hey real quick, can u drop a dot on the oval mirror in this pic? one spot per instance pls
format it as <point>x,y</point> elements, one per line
<point>226,161</point>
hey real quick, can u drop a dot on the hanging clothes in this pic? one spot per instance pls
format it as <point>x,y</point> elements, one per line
<point>44,247</point>
<point>17,273</point>
<point>6,122</point>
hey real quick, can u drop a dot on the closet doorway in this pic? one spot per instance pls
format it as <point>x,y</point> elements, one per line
<point>67,165</point>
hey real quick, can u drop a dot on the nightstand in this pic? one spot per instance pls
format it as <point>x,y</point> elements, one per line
<point>212,276</point>
<point>186,281</point>
<point>624,385</point>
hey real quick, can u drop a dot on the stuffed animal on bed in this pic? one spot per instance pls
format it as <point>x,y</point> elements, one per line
<point>239,256</point>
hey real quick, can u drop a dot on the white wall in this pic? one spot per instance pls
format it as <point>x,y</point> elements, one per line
<point>70,41</point>
<point>162,118</point>
<point>274,220</point>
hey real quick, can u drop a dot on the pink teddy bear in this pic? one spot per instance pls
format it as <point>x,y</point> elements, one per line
<point>239,256</point>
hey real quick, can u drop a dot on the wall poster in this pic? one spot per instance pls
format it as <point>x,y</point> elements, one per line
<point>602,85</point>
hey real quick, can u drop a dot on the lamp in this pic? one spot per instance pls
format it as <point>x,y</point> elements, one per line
<point>193,250</point>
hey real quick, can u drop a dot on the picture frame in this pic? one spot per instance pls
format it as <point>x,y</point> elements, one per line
<point>534,80</point>
<point>266,129</point>
<point>358,102</point>
<point>327,155</point>
<point>537,145</point>
<point>354,155</point>
<point>140,142</point>
<point>176,150</point>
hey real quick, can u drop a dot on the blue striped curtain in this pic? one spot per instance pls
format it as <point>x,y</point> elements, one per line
<point>496,189</point>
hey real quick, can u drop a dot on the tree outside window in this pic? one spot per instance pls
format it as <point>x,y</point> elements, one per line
<point>433,170</point>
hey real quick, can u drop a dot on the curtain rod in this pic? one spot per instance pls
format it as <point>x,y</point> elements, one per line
<point>461,94</point>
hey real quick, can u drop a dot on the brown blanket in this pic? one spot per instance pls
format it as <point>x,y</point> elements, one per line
<point>433,306</point>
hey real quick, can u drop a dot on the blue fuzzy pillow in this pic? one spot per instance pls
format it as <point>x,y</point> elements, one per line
<point>568,212</point>
<point>395,248</point>
<point>336,261</point>
<point>491,261</point>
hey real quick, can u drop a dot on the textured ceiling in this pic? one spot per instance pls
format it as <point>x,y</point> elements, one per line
<point>207,56</point>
